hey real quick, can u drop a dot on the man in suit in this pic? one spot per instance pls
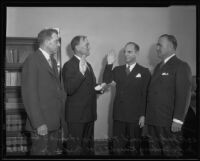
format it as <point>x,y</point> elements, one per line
<point>168,100</point>
<point>79,83</point>
<point>43,95</point>
<point>132,81</point>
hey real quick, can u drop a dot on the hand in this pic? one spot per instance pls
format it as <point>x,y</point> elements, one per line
<point>42,130</point>
<point>141,121</point>
<point>101,87</point>
<point>176,127</point>
<point>82,65</point>
<point>111,56</point>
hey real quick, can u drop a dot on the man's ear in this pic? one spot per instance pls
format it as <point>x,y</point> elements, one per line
<point>77,48</point>
<point>170,45</point>
<point>137,53</point>
<point>46,42</point>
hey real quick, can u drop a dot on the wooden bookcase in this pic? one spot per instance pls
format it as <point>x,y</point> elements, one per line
<point>17,50</point>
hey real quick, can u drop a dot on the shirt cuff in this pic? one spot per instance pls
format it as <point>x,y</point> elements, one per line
<point>177,121</point>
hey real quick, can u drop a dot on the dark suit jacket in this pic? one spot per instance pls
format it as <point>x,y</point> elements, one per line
<point>131,91</point>
<point>81,101</point>
<point>169,93</point>
<point>42,92</point>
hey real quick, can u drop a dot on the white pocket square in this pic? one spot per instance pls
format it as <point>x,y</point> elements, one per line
<point>165,73</point>
<point>138,75</point>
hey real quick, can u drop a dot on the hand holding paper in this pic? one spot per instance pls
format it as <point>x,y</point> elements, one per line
<point>100,87</point>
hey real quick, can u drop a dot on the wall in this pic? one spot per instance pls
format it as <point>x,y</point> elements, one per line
<point>110,28</point>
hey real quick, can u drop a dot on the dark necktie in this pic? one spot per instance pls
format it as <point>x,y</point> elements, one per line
<point>53,65</point>
<point>128,70</point>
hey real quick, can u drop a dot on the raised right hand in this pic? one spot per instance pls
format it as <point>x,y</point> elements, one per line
<point>42,130</point>
<point>111,56</point>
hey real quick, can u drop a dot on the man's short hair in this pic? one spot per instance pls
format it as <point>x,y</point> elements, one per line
<point>76,40</point>
<point>172,39</point>
<point>136,46</point>
<point>45,34</point>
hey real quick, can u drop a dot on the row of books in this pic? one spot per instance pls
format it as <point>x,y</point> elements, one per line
<point>16,144</point>
<point>13,97</point>
<point>11,105</point>
<point>15,55</point>
<point>15,123</point>
<point>18,148</point>
<point>13,78</point>
<point>14,100</point>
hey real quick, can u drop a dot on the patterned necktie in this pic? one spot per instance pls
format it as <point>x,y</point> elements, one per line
<point>128,70</point>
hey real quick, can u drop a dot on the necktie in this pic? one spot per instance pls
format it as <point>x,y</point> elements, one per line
<point>50,62</point>
<point>53,64</point>
<point>128,70</point>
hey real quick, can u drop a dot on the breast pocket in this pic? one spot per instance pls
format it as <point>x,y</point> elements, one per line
<point>167,79</point>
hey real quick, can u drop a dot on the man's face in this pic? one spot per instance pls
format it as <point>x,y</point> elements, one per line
<point>163,47</point>
<point>53,43</point>
<point>130,53</point>
<point>83,47</point>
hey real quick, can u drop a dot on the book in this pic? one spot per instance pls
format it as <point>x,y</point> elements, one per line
<point>18,79</point>
<point>8,78</point>
<point>15,55</point>
<point>13,78</point>
<point>14,100</point>
<point>11,105</point>
<point>22,55</point>
<point>8,59</point>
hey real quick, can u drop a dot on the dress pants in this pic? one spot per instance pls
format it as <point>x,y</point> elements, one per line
<point>79,139</point>
<point>163,142</point>
<point>126,138</point>
<point>45,145</point>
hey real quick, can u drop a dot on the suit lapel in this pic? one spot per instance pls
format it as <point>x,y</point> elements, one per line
<point>45,64</point>
<point>134,71</point>
<point>91,73</point>
<point>158,70</point>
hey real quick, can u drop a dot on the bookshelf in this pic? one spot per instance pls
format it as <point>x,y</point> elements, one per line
<point>17,140</point>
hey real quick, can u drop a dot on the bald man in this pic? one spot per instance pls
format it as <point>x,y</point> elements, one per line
<point>168,100</point>
<point>132,81</point>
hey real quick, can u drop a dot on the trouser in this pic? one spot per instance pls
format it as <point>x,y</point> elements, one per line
<point>163,142</point>
<point>126,138</point>
<point>79,139</point>
<point>45,145</point>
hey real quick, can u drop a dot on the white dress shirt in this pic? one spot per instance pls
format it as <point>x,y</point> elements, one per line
<point>131,66</point>
<point>168,58</point>
<point>46,55</point>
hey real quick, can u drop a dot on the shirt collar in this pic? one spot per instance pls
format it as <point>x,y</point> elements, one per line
<point>131,66</point>
<point>46,55</point>
<point>77,57</point>
<point>168,58</point>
